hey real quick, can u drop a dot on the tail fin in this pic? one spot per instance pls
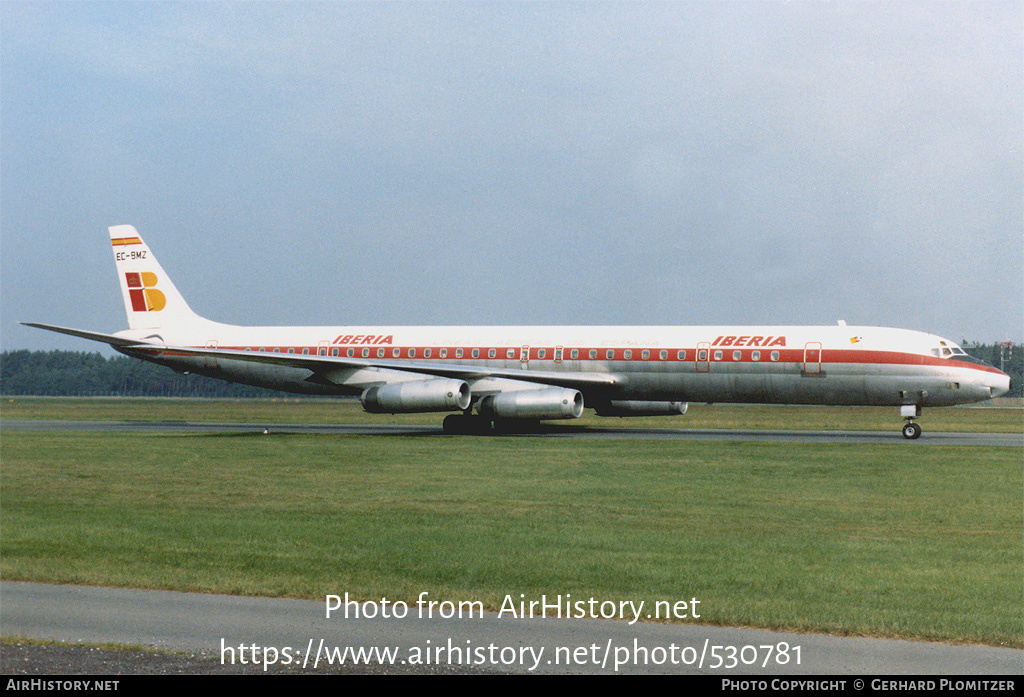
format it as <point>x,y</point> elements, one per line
<point>150,299</point>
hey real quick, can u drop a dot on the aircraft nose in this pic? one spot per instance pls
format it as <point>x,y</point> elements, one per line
<point>1000,384</point>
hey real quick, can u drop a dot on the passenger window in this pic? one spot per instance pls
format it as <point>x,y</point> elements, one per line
<point>476,353</point>
<point>718,355</point>
<point>664,355</point>
<point>593,354</point>
<point>628,354</point>
<point>458,353</point>
<point>541,353</point>
<point>610,354</point>
<point>412,353</point>
<point>426,353</point>
<point>510,354</point>
<point>380,353</point>
<point>681,355</point>
<point>737,355</point>
<point>645,354</point>
<point>775,355</point>
<point>397,353</point>
<point>366,353</point>
<point>491,353</point>
<point>574,354</point>
<point>755,355</point>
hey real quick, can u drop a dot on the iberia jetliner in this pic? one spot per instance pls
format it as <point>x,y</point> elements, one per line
<point>497,375</point>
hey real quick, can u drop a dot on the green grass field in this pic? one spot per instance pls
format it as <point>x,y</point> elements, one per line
<point>325,411</point>
<point>880,540</point>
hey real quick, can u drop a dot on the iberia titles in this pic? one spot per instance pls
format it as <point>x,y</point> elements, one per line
<point>364,339</point>
<point>762,341</point>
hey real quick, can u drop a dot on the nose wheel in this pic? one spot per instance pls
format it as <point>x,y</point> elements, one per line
<point>911,430</point>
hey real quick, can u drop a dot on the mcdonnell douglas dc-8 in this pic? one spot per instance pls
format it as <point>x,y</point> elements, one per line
<point>504,375</point>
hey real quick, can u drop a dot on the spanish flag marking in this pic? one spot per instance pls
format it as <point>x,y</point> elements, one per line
<point>122,241</point>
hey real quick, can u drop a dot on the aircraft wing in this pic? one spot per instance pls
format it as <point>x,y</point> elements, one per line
<point>322,366</point>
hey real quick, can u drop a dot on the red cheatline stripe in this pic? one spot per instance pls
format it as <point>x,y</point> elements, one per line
<point>119,241</point>
<point>793,355</point>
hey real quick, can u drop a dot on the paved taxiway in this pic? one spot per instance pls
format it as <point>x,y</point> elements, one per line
<point>200,623</point>
<point>545,431</point>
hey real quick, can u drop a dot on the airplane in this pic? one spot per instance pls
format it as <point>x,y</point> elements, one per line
<point>502,377</point>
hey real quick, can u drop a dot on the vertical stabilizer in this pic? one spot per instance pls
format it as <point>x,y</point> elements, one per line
<point>150,299</point>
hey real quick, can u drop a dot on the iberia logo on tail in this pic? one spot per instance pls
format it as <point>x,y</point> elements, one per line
<point>143,292</point>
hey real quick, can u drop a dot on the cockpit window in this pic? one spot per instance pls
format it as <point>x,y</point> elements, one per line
<point>952,351</point>
<point>946,350</point>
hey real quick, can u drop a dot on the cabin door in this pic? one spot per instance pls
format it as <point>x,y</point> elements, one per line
<point>812,358</point>
<point>703,359</point>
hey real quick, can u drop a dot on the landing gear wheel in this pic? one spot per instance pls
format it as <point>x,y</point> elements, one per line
<point>516,425</point>
<point>466,425</point>
<point>911,431</point>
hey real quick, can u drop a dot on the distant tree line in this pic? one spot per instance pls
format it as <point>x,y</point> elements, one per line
<point>82,374</point>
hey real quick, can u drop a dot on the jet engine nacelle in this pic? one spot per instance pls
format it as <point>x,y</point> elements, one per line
<point>640,408</point>
<point>547,403</point>
<point>417,395</point>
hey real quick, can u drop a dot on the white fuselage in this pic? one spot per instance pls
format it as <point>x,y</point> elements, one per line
<point>784,365</point>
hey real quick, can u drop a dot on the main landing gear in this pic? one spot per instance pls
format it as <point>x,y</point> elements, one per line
<point>911,430</point>
<point>466,424</point>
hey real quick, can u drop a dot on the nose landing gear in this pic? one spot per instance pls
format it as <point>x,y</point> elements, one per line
<point>911,430</point>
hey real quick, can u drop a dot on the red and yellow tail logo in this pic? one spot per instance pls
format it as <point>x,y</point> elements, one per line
<point>143,292</point>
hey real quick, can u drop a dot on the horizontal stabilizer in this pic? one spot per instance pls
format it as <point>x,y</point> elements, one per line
<point>94,336</point>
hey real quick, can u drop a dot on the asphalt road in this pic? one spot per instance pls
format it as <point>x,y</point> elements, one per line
<point>545,431</point>
<point>223,628</point>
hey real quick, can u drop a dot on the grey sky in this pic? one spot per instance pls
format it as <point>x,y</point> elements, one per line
<point>517,163</point>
